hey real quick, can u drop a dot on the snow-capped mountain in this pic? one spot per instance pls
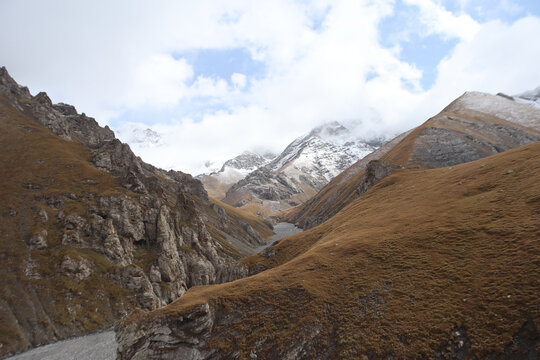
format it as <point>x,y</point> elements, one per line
<point>323,153</point>
<point>531,97</point>
<point>217,182</point>
<point>138,136</point>
<point>303,168</point>
<point>497,106</point>
<point>245,163</point>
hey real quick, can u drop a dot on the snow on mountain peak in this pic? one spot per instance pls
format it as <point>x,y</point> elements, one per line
<point>247,161</point>
<point>323,152</point>
<point>137,135</point>
<point>530,97</point>
<point>503,106</point>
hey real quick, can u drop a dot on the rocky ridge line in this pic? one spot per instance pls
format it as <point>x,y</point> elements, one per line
<point>167,212</point>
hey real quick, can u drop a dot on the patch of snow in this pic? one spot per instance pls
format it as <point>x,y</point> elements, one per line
<point>499,106</point>
<point>323,153</point>
<point>139,137</point>
<point>237,168</point>
<point>531,97</point>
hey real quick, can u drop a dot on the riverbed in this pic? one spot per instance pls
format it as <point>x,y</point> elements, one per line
<point>100,346</point>
<point>281,230</point>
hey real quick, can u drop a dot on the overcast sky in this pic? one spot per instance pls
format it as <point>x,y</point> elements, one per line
<point>219,77</point>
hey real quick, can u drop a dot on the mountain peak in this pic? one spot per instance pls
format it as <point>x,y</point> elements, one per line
<point>500,106</point>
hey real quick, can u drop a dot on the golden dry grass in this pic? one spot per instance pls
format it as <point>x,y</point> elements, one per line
<point>421,253</point>
<point>37,164</point>
<point>342,190</point>
<point>35,308</point>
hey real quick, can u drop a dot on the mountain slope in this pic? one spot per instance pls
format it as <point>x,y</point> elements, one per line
<point>471,127</point>
<point>303,168</point>
<point>89,232</point>
<point>218,182</point>
<point>531,97</point>
<point>438,263</point>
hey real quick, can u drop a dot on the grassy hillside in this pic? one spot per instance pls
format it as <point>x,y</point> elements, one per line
<point>428,263</point>
<point>451,137</point>
<point>36,165</point>
<point>62,274</point>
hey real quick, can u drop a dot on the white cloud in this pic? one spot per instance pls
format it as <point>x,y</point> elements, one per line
<point>110,57</point>
<point>238,80</point>
<point>158,81</point>
<point>439,20</point>
<point>500,57</point>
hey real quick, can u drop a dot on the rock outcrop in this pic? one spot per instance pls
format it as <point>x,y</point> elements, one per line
<point>104,232</point>
<point>376,170</point>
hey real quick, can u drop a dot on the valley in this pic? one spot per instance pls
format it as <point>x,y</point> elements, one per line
<point>423,246</point>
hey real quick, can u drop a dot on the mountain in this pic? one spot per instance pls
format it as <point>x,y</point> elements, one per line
<point>473,126</point>
<point>218,182</point>
<point>428,263</point>
<point>139,136</point>
<point>303,168</point>
<point>89,232</point>
<point>531,97</point>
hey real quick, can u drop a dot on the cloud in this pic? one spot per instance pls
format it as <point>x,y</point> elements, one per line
<point>238,80</point>
<point>439,20</point>
<point>320,61</point>
<point>499,58</point>
<point>159,80</point>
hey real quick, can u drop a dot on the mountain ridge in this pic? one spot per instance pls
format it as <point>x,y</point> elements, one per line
<point>459,133</point>
<point>91,232</point>
<point>304,167</point>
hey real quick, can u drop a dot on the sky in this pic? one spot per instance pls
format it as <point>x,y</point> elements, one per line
<point>217,77</point>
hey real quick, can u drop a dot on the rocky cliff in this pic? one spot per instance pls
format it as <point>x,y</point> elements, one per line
<point>90,232</point>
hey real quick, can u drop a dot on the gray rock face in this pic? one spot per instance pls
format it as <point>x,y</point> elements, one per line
<point>160,238</point>
<point>467,140</point>
<point>328,201</point>
<point>186,337</point>
<point>376,170</point>
<point>77,268</point>
<point>38,241</point>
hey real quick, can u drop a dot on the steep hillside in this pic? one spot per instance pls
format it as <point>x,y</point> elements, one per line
<point>439,263</point>
<point>218,182</point>
<point>89,232</point>
<point>302,169</point>
<point>473,126</point>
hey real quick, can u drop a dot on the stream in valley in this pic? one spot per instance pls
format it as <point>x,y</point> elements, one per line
<point>281,230</point>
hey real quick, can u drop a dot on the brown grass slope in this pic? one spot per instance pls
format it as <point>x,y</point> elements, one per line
<point>454,136</point>
<point>35,164</point>
<point>40,301</point>
<point>432,263</point>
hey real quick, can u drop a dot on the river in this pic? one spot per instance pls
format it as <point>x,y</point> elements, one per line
<point>281,230</point>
